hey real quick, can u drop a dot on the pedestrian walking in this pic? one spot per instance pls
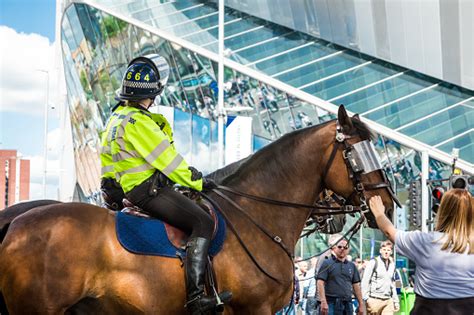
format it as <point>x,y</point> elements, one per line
<point>378,285</point>
<point>338,279</point>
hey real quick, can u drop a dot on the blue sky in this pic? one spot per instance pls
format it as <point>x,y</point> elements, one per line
<point>27,30</point>
<point>29,16</point>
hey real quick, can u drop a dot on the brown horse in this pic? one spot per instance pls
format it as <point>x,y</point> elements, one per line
<point>65,258</point>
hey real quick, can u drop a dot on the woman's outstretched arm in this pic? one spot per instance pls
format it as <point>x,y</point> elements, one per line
<point>384,224</point>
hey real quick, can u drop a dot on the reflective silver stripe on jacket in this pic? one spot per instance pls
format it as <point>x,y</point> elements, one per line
<point>105,150</point>
<point>173,165</point>
<point>107,169</point>
<point>136,169</point>
<point>123,155</point>
<point>150,158</point>
<point>121,131</point>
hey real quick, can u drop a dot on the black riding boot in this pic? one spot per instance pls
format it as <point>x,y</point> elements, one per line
<point>196,260</point>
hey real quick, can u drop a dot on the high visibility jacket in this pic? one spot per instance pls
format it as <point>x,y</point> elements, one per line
<point>139,147</point>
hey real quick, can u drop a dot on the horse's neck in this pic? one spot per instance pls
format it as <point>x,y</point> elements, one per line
<point>297,181</point>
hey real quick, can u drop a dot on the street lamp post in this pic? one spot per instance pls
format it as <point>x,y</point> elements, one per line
<point>45,149</point>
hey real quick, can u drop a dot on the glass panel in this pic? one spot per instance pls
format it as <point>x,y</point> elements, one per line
<point>417,106</point>
<point>182,128</point>
<point>196,25</point>
<point>214,165</point>
<point>259,142</point>
<point>252,37</point>
<point>243,25</point>
<point>465,144</point>
<point>350,81</point>
<point>321,69</point>
<point>153,11</point>
<point>294,58</point>
<point>234,26</point>
<point>208,83</point>
<point>174,91</point>
<point>201,159</point>
<point>183,16</point>
<point>442,126</point>
<point>383,93</point>
<point>190,83</point>
<point>271,48</point>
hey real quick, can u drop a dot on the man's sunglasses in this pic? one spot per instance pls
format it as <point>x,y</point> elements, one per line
<point>341,247</point>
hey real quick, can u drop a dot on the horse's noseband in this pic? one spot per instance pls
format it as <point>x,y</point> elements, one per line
<point>360,158</point>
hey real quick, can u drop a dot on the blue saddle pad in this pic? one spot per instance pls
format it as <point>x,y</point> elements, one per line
<point>147,236</point>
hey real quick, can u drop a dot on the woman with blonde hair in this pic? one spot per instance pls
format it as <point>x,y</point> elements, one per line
<point>444,258</point>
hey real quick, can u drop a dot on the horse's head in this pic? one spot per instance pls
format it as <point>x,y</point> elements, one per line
<point>353,168</point>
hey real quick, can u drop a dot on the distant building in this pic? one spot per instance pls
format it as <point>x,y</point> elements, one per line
<point>14,178</point>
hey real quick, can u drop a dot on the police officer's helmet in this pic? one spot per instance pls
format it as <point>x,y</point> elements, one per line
<point>145,77</point>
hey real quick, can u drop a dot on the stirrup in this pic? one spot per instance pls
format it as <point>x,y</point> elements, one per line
<point>219,304</point>
<point>217,307</point>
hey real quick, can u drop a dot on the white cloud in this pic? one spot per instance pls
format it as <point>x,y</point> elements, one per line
<point>54,144</point>
<point>36,177</point>
<point>52,169</point>
<point>23,89</point>
<point>22,86</point>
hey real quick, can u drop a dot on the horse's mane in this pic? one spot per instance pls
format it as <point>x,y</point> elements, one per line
<point>219,175</point>
<point>266,156</point>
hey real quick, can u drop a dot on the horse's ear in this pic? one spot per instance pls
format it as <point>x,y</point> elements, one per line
<point>344,119</point>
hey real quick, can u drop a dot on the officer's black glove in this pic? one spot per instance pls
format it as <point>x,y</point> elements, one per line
<point>195,174</point>
<point>208,184</point>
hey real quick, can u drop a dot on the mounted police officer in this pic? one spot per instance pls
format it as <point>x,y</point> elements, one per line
<point>147,165</point>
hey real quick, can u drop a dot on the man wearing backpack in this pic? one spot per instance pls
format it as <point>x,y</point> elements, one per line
<point>378,287</point>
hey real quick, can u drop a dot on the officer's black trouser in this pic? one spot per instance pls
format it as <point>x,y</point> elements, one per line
<point>172,207</point>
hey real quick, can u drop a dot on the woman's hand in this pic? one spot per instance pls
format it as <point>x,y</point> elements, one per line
<point>376,206</point>
<point>384,224</point>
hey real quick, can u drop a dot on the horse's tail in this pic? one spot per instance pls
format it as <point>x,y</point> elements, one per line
<point>8,214</point>
<point>3,305</point>
<point>3,231</point>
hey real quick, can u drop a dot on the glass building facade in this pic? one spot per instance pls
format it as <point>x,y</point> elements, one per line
<point>98,38</point>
